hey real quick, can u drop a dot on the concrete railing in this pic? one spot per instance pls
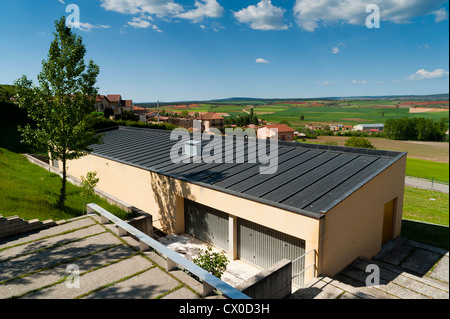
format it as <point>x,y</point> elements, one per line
<point>272,283</point>
<point>174,260</point>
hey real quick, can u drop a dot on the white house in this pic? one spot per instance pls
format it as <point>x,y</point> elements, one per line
<point>368,127</point>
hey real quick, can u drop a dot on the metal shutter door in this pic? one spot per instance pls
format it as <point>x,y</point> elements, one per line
<point>207,224</point>
<point>264,247</point>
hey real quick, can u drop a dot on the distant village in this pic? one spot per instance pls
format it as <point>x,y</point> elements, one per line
<point>114,106</point>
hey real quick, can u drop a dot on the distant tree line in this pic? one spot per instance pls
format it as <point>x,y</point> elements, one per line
<point>416,129</point>
<point>243,120</point>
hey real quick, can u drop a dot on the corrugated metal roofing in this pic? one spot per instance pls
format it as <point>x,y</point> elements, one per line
<point>310,180</point>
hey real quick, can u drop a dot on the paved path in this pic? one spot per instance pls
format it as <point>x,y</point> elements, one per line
<point>408,270</point>
<point>35,266</point>
<point>425,184</point>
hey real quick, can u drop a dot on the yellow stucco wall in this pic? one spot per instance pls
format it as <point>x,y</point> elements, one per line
<point>354,228</point>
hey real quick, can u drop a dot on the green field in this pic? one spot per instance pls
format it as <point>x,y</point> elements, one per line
<point>427,169</point>
<point>347,112</point>
<point>30,192</point>
<point>348,115</point>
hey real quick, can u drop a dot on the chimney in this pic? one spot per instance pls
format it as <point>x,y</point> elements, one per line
<point>193,148</point>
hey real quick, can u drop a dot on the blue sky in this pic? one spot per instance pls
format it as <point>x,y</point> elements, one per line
<point>175,50</point>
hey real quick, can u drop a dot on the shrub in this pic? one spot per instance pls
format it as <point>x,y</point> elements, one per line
<point>359,142</point>
<point>213,262</point>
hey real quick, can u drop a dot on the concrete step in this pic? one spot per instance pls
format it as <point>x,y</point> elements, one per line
<point>16,226</point>
<point>7,223</point>
<point>63,227</point>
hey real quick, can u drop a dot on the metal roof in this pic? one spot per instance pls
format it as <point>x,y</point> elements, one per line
<point>310,180</point>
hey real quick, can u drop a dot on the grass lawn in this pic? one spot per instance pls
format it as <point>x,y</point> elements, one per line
<point>427,169</point>
<point>30,192</point>
<point>429,207</point>
<point>426,206</point>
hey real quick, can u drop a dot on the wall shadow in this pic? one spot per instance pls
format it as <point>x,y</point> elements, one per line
<point>430,234</point>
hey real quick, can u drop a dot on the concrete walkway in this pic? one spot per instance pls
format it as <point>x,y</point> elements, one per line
<point>407,270</point>
<point>37,266</point>
<point>426,184</point>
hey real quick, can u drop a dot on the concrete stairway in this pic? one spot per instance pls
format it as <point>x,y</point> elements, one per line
<point>12,226</point>
<point>407,270</point>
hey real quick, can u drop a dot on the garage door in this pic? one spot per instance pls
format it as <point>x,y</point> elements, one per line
<point>206,224</point>
<point>264,247</point>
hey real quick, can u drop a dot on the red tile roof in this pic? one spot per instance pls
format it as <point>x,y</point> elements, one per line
<point>114,97</point>
<point>99,98</point>
<point>281,128</point>
<point>211,116</point>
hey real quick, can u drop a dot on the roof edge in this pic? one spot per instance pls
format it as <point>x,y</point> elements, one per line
<point>364,182</point>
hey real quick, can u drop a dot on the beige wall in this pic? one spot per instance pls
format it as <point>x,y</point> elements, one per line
<point>354,228</point>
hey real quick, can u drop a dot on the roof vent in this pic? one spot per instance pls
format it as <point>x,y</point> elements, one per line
<point>193,148</point>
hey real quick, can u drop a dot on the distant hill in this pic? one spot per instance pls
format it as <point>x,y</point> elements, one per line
<point>431,97</point>
<point>245,100</point>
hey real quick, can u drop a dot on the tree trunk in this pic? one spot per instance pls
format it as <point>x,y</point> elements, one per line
<point>62,196</point>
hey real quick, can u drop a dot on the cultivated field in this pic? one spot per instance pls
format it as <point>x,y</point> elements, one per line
<point>320,112</point>
<point>430,151</point>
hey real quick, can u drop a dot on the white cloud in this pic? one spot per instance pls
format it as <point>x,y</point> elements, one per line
<point>205,9</point>
<point>261,60</point>
<point>313,14</point>
<point>139,23</point>
<point>380,82</point>
<point>440,15</point>
<point>143,23</point>
<point>363,82</point>
<point>166,8</point>
<point>425,46</point>
<point>157,7</point>
<point>263,16</point>
<point>87,27</point>
<point>61,1</point>
<point>335,50</point>
<point>422,74</point>
<point>325,83</point>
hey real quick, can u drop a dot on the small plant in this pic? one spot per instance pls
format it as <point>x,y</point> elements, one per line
<point>213,262</point>
<point>88,185</point>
